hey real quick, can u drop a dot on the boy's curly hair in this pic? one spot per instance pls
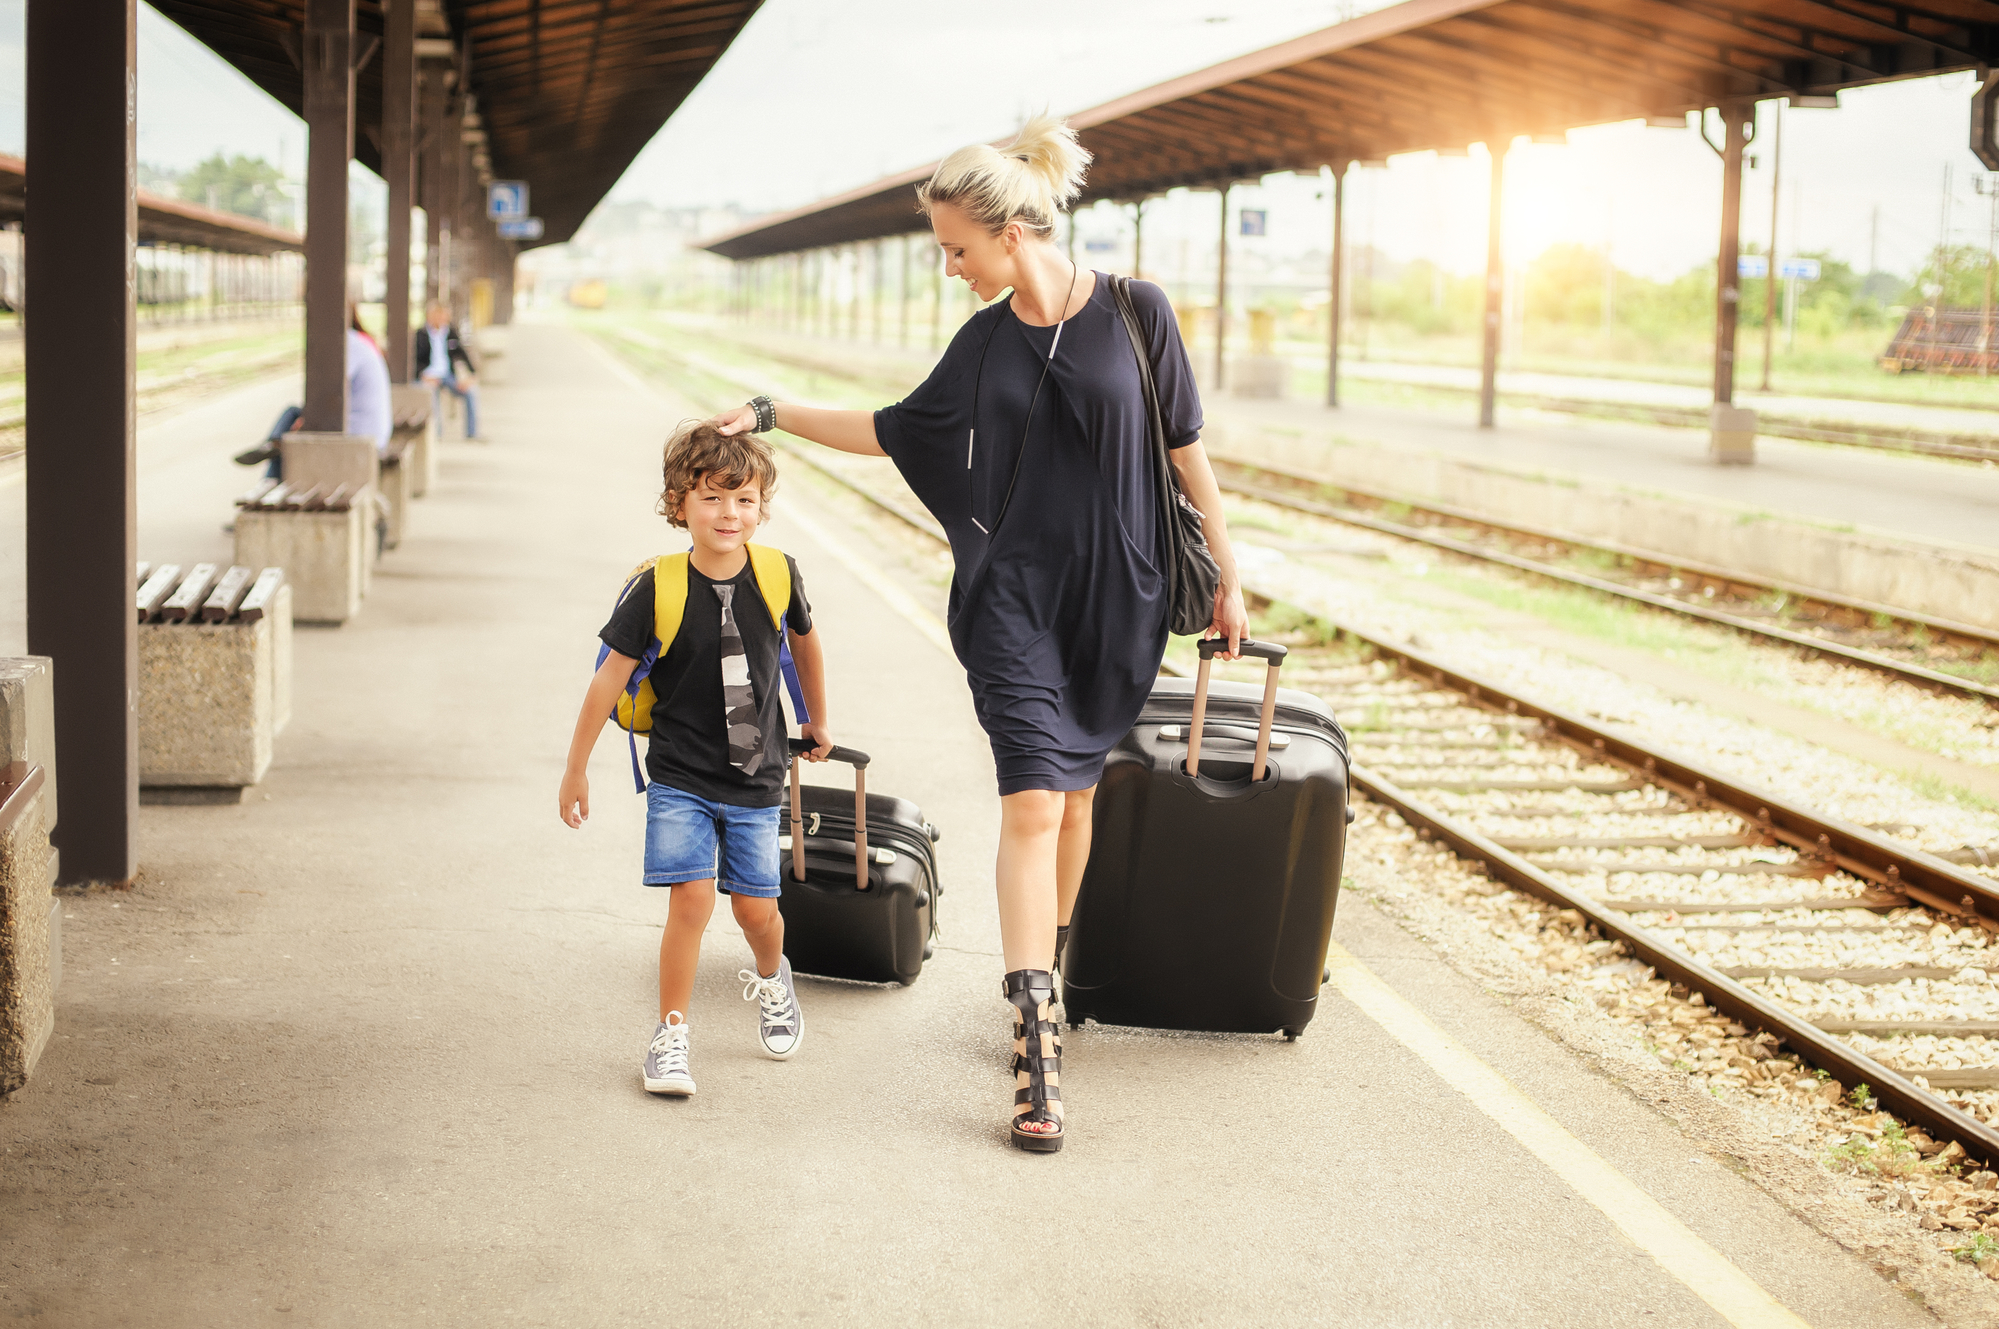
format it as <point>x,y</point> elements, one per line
<point>730,461</point>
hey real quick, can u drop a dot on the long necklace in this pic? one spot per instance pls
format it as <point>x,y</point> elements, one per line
<point>971,435</point>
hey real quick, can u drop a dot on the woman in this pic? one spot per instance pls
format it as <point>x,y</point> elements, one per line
<point>1029,443</point>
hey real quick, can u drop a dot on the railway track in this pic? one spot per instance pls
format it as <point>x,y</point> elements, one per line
<point>1675,862</point>
<point>1929,652</point>
<point>1916,648</point>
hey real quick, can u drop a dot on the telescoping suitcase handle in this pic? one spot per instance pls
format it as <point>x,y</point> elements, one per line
<point>859,761</point>
<point>1264,650</point>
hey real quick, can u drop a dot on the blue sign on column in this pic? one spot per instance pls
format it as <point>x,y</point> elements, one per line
<point>1254,221</point>
<point>507,200</point>
<point>521,228</point>
<point>1751,265</point>
<point>1804,269</point>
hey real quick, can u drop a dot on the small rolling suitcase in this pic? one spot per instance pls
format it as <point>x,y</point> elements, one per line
<point>881,932</point>
<point>1221,822</point>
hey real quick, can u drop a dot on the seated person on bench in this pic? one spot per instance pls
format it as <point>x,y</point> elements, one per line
<point>438,353</point>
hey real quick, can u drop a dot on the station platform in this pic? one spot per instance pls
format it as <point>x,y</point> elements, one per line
<point>365,1048</point>
<point>1920,499</point>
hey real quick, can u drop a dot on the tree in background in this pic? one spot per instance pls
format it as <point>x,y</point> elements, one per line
<point>246,186</point>
<point>1953,277</point>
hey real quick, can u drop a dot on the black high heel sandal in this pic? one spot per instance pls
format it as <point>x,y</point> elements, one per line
<point>1061,944</point>
<point>1032,991</point>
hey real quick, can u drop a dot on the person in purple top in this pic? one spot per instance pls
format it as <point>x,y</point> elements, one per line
<point>1029,444</point>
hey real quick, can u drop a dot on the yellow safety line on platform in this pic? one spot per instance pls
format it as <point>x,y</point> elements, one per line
<point>1708,1273</point>
<point>898,599</point>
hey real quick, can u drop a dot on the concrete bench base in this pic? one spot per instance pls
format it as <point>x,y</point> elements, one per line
<point>327,556</point>
<point>420,460</point>
<point>209,698</point>
<point>396,477</point>
<point>28,917</point>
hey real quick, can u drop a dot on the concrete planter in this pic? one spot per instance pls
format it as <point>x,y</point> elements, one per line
<point>211,697</point>
<point>325,555</point>
<point>411,401</point>
<point>396,478</point>
<point>28,944</point>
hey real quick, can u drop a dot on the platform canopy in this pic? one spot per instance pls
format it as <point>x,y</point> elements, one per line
<point>1442,74</point>
<point>167,221</point>
<point>568,91</point>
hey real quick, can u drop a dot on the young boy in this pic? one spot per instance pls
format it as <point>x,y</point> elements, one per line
<point>717,755</point>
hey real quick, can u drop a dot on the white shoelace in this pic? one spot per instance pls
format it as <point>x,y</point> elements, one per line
<point>670,1046</point>
<point>769,993</point>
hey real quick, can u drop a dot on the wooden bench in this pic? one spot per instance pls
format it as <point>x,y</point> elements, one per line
<point>214,671</point>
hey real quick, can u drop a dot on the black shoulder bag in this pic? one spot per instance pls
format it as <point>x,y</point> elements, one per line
<point>1192,577</point>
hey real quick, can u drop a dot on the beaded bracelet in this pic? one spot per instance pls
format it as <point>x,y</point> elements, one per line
<point>766,410</point>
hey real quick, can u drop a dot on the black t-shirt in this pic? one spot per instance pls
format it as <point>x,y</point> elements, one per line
<point>689,747</point>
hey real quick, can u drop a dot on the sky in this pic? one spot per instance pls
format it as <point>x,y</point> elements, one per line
<point>815,98</point>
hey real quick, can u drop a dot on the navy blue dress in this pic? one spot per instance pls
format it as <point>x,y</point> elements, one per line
<point>1058,606</point>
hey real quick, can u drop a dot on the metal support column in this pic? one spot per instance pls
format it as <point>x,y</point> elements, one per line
<point>1770,277</point>
<point>329,120</point>
<point>1138,241</point>
<point>1222,291</point>
<point>1339,265</point>
<point>902,297</point>
<point>1732,431</point>
<point>399,169</point>
<point>1495,284</point>
<point>82,485</point>
<point>430,161</point>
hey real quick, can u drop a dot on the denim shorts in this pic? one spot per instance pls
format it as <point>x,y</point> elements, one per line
<point>687,835</point>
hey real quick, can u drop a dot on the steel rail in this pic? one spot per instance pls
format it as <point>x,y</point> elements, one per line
<point>1932,679</point>
<point>1904,874</point>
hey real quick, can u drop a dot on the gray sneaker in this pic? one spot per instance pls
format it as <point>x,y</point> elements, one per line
<point>665,1068</point>
<point>780,1024</point>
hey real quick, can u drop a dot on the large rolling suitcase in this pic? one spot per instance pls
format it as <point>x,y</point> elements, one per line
<point>1221,822</point>
<point>882,930</point>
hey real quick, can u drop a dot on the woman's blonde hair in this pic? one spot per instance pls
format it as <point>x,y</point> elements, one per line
<point>1028,181</point>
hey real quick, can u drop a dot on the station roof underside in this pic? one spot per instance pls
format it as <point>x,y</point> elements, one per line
<point>167,221</point>
<point>1442,74</point>
<point>568,91</point>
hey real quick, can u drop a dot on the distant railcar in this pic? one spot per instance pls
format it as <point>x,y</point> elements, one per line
<point>588,294</point>
<point>1944,341</point>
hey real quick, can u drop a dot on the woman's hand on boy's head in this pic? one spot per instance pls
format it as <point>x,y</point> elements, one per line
<point>573,803</point>
<point>822,741</point>
<point>735,421</point>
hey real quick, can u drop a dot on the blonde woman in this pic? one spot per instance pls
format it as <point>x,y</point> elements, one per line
<point>1029,444</point>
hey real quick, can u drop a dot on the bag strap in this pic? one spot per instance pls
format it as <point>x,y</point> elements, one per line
<point>669,597</point>
<point>772,572</point>
<point>1169,484</point>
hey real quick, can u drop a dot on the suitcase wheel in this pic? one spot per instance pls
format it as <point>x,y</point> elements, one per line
<point>1325,975</point>
<point>1293,1035</point>
<point>929,949</point>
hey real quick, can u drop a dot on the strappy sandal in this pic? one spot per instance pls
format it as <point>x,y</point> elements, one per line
<point>1031,991</point>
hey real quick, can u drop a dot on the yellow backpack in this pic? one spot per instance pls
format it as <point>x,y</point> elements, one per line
<point>633,711</point>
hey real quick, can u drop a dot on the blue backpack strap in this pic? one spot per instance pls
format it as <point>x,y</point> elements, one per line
<point>791,684</point>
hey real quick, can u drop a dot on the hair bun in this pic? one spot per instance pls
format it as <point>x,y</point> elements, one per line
<point>1029,180</point>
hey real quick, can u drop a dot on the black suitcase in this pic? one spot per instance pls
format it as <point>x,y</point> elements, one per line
<point>883,931</point>
<point>1208,900</point>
